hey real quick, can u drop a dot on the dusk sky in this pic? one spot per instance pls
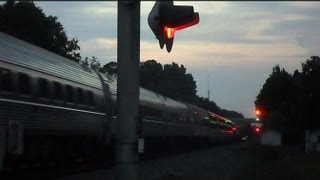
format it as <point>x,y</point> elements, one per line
<point>235,43</point>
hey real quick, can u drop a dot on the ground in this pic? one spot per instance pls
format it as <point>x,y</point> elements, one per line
<point>245,160</point>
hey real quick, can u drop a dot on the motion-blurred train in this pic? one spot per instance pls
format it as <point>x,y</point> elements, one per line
<point>53,108</point>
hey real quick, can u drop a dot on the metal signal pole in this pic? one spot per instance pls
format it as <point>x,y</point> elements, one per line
<point>128,89</point>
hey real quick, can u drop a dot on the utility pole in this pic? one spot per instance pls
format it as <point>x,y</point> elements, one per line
<point>208,87</point>
<point>128,89</point>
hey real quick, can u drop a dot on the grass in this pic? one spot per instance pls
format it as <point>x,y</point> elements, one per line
<point>301,166</point>
<point>284,163</point>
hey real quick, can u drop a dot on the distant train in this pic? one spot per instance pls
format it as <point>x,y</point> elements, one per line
<point>52,108</point>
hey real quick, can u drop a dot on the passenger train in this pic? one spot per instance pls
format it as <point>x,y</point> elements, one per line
<point>52,108</point>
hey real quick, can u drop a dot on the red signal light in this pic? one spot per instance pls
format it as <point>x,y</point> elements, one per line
<point>257,129</point>
<point>169,32</point>
<point>234,129</point>
<point>258,112</point>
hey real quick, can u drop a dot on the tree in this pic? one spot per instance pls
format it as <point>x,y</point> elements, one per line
<point>206,104</point>
<point>310,89</point>
<point>151,73</point>
<point>111,68</point>
<point>26,21</point>
<point>169,80</point>
<point>277,94</point>
<point>93,63</point>
<point>296,97</point>
<point>276,120</point>
<point>230,114</point>
<point>176,83</point>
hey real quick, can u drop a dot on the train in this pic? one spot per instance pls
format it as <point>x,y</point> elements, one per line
<point>52,108</point>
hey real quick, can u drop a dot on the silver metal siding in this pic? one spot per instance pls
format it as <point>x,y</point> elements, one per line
<point>36,118</point>
<point>150,97</point>
<point>21,53</point>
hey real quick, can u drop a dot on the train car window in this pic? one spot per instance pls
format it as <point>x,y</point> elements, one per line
<point>70,93</point>
<point>5,80</point>
<point>43,88</point>
<point>80,96</point>
<point>57,91</point>
<point>157,112</point>
<point>149,111</point>
<point>174,117</point>
<point>152,112</point>
<point>90,100</point>
<point>145,110</point>
<point>141,110</point>
<point>24,83</point>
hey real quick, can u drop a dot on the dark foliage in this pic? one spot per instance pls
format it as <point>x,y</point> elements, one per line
<point>310,92</point>
<point>26,21</point>
<point>169,80</point>
<point>111,68</point>
<point>291,102</point>
<point>93,63</point>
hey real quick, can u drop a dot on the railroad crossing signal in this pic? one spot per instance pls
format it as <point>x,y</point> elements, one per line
<point>258,112</point>
<point>165,19</point>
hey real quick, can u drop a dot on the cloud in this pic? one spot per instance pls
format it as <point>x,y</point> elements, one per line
<point>84,20</point>
<point>101,9</point>
<point>102,48</point>
<point>208,8</point>
<point>204,8</point>
<point>213,53</point>
<point>305,5</point>
<point>245,23</point>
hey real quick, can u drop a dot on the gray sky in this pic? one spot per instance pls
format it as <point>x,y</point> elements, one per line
<point>236,43</point>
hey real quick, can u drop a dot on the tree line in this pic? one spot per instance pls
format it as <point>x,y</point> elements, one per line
<point>28,22</point>
<point>290,102</point>
<point>173,81</point>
